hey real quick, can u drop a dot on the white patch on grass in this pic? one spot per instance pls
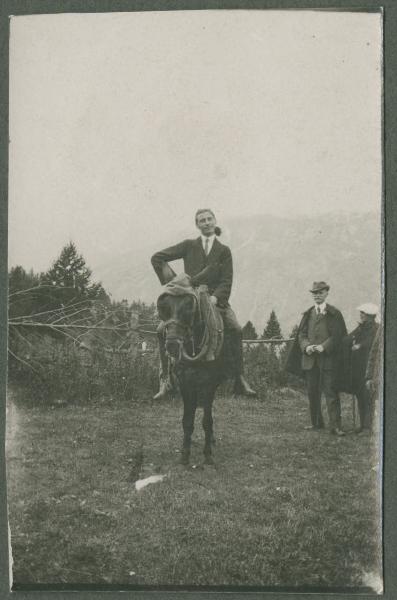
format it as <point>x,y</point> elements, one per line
<point>141,483</point>
<point>374,581</point>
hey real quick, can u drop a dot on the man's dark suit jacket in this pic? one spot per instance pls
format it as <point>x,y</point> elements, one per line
<point>332,357</point>
<point>214,270</point>
<point>355,363</point>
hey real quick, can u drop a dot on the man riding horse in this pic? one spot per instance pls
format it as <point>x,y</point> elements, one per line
<point>207,262</point>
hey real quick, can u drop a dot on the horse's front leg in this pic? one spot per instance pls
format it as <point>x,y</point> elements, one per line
<point>208,431</point>
<point>189,412</point>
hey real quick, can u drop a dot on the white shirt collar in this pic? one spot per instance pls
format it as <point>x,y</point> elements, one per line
<point>210,239</point>
<point>322,307</point>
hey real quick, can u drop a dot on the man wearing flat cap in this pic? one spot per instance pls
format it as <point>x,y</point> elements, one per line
<point>357,348</point>
<point>317,355</point>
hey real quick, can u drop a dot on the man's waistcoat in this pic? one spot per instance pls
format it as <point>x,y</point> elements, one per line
<point>317,328</point>
<point>331,359</point>
<point>325,330</point>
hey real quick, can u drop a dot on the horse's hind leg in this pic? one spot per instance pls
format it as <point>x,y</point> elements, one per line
<point>209,433</point>
<point>189,412</point>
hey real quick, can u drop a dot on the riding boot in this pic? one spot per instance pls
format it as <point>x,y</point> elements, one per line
<point>241,385</point>
<point>163,391</point>
<point>243,388</point>
<point>166,386</point>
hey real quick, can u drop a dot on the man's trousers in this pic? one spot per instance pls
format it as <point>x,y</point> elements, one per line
<point>364,406</point>
<point>234,330</point>
<point>320,381</point>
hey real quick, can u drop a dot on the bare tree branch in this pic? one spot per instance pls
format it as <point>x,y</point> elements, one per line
<point>19,334</point>
<point>12,323</point>
<point>40,287</point>
<point>54,311</point>
<point>69,315</point>
<point>19,359</point>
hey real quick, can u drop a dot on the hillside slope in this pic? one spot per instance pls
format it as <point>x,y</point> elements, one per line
<point>275,262</point>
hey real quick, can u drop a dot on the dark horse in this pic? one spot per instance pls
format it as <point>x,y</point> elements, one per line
<point>193,331</point>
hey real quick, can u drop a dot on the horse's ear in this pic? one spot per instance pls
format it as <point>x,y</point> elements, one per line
<point>167,273</point>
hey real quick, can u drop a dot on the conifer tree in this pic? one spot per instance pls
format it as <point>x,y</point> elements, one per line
<point>25,293</point>
<point>19,279</point>
<point>70,271</point>
<point>249,332</point>
<point>272,329</point>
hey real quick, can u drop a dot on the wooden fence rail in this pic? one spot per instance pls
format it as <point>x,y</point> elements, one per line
<point>270,341</point>
<point>126,330</point>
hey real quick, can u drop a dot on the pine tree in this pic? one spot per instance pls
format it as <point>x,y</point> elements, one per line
<point>31,299</point>
<point>19,279</point>
<point>70,272</point>
<point>272,329</point>
<point>249,332</point>
<point>294,331</point>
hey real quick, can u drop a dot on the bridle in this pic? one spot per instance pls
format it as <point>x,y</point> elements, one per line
<point>188,327</point>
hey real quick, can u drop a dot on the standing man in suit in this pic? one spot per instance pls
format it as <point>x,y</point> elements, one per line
<point>208,262</point>
<point>318,349</point>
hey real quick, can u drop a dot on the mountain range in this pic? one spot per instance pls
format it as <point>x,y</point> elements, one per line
<point>275,263</point>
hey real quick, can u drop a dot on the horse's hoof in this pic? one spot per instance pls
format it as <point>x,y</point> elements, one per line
<point>185,456</point>
<point>208,460</point>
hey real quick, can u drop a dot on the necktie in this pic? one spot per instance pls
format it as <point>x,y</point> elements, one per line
<point>206,246</point>
<point>318,309</point>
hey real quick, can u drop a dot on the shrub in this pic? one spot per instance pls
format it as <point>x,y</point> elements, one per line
<point>264,366</point>
<point>56,370</point>
<point>261,367</point>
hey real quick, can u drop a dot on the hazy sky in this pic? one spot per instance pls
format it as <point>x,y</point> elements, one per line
<point>122,124</point>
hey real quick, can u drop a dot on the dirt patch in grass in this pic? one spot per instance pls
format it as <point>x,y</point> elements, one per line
<point>281,507</point>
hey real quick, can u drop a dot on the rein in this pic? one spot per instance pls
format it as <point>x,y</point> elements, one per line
<point>204,343</point>
<point>207,337</point>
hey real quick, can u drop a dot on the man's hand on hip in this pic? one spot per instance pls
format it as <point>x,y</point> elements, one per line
<point>214,300</point>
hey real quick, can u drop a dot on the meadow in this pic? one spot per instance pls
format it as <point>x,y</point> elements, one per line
<point>282,508</point>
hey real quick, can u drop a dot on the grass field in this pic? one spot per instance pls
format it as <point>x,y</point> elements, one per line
<point>281,507</point>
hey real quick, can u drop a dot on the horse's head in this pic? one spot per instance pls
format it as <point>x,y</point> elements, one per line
<point>178,314</point>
